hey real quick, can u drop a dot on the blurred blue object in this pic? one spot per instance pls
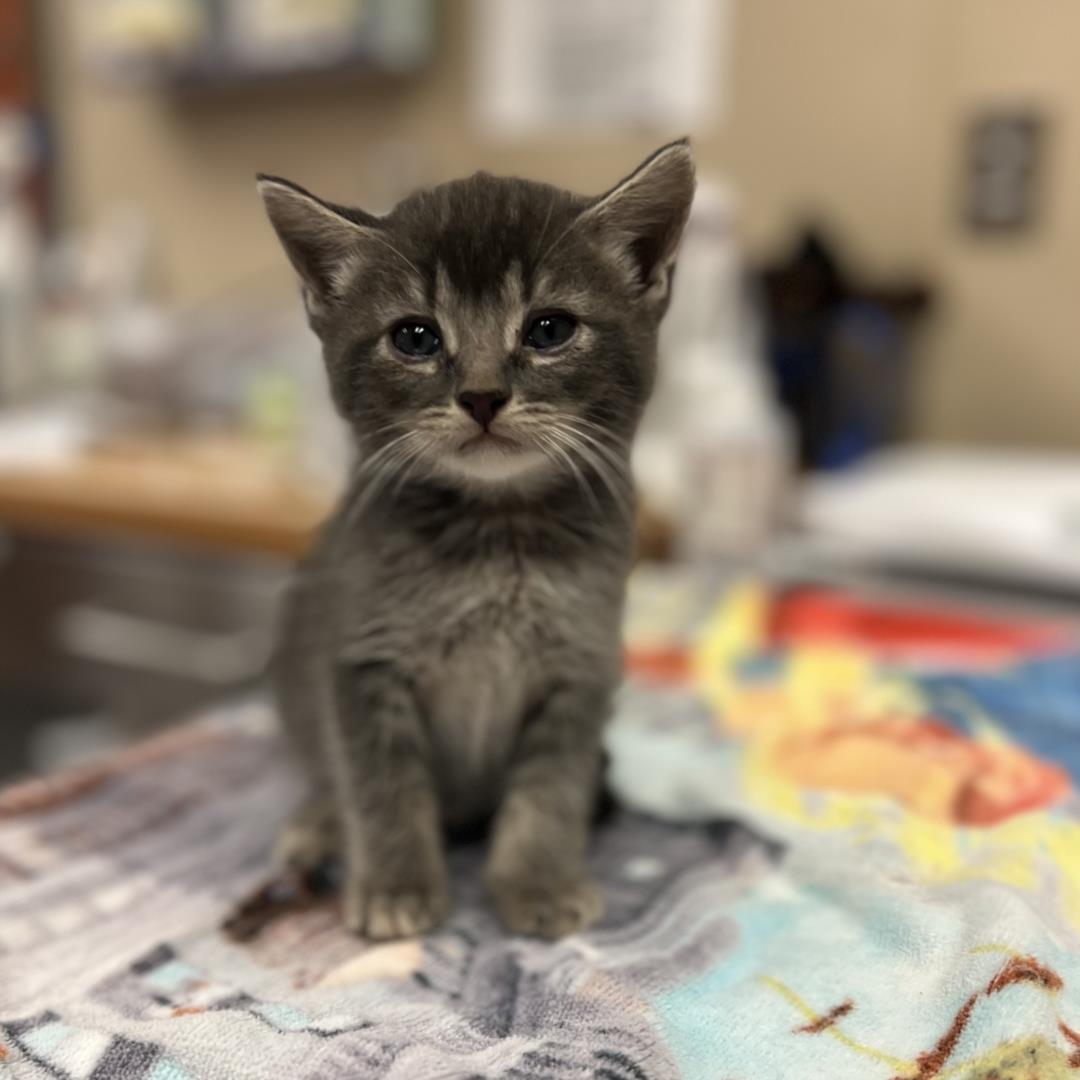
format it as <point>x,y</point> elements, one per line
<point>840,352</point>
<point>1037,703</point>
<point>870,362</point>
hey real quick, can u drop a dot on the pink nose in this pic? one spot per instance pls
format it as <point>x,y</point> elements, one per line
<point>482,405</point>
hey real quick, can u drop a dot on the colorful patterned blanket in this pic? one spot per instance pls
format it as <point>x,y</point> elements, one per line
<point>849,847</point>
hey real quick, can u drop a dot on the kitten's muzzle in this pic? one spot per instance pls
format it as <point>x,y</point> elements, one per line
<point>489,439</point>
<point>483,405</point>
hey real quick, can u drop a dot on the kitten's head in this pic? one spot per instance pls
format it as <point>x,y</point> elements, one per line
<point>491,328</point>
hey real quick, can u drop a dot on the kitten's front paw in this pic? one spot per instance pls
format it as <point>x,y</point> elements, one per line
<point>379,913</point>
<point>547,908</point>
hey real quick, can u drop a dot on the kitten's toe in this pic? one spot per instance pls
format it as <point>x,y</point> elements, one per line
<point>380,915</point>
<point>309,839</point>
<point>301,849</point>
<point>547,909</point>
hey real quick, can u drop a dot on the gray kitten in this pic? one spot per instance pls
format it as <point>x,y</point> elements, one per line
<point>450,648</point>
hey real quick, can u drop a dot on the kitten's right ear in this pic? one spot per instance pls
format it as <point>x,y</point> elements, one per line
<point>322,242</point>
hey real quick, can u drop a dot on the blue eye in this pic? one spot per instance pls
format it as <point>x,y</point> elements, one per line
<point>416,339</point>
<point>550,331</point>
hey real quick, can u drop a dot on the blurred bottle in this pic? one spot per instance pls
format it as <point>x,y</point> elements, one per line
<point>139,337</point>
<point>737,456</point>
<point>318,446</point>
<point>69,331</point>
<point>105,347</point>
<point>18,259</point>
<point>257,370</point>
<point>713,455</point>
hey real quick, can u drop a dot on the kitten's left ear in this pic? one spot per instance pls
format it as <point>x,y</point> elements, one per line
<point>641,220</point>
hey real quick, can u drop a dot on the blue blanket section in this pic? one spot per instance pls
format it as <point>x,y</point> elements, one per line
<point>857,978</point>
<point>1036,703</point>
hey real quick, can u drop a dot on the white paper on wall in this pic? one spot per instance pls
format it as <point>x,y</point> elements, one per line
<point>589,65</point>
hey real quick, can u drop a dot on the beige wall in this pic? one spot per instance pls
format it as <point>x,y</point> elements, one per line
<point>846,109</point>
<point>1004,360</point>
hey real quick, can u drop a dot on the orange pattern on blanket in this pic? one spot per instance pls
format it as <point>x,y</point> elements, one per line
<point>658,664</point>
<point>829,717</point>
<point>925,765</point>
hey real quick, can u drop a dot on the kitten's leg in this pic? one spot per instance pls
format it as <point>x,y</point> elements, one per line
<point>305,705</point>
<point>536,867</point>
<point>396,883</point>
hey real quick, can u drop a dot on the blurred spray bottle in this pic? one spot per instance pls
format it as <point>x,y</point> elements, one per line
<point>714,453</point>
<point>18,258</point>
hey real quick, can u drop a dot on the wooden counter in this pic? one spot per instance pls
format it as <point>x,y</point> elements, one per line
<point>207,493</point>
<point>214,494</point>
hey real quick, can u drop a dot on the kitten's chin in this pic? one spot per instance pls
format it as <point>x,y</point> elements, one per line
<point>492,462</point>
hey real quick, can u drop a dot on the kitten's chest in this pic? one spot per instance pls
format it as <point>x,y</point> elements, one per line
<point>482,629</point>
<point>485,659</point>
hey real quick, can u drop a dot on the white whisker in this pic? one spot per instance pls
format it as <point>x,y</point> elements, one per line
<point>376,471</point>
<point>550,442</point>
<point>612,479</point>
<point>596,435</point>
<point>556,242</point>
<point>408,465</point>
<point>386,243</point>
<point>547,221</point>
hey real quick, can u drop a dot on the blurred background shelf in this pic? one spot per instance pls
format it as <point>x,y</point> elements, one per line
<point>215,44</point>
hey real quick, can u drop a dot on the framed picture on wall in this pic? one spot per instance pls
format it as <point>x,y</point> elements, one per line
<point>1004,169</point>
